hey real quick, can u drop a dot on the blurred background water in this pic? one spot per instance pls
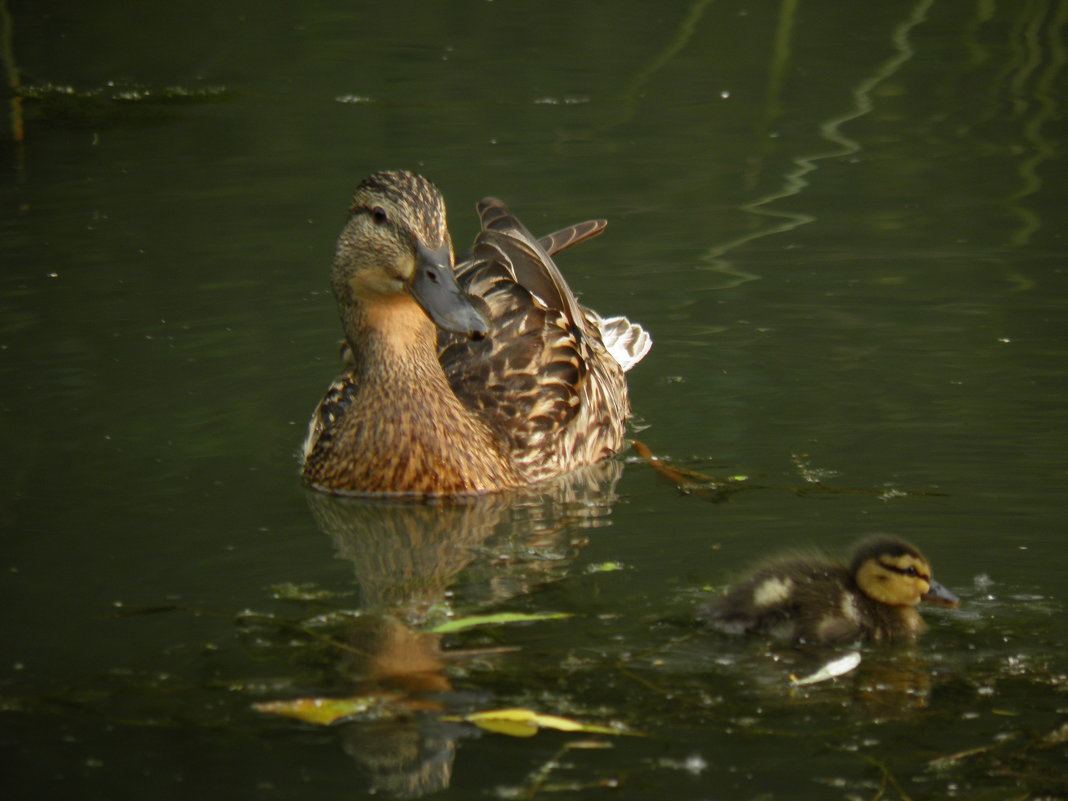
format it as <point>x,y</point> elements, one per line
<point>841,223</point>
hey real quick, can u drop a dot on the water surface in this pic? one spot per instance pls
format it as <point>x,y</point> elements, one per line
<point>840,222</point>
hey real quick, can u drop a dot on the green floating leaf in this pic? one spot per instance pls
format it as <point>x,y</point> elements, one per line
<point>605,567</point>
<point>493,620</point>
<point>288,591</point>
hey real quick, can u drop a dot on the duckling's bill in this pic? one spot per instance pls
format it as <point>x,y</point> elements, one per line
<point>435,289</point>
<point>940,596</point>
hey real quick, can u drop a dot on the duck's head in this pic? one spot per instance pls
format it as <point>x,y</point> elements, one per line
<point>895,573</point>
<point>396,244</point>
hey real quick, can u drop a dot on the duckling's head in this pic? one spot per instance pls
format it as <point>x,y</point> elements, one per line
<point>396,244</point>
<point>895,573</point>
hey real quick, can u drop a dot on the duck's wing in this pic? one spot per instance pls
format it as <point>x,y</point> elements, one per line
<point>627,342</point>
<point>566,237</point>
<point>507,240</point>
<point>530,378</point>
<point>337,398</point>
<point>561,240</point>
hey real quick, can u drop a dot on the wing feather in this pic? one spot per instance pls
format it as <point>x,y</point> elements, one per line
<point>566,237</point>
<point>541,380</point>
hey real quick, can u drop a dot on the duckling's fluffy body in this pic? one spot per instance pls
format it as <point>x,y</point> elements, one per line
<point>814,599</point>
<point>480,377</point>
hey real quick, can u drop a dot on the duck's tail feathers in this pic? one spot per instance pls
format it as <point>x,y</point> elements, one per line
<point>627,342</point>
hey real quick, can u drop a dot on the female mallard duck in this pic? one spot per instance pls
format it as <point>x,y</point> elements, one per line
<point>874,597</point>
<point>471,379</point>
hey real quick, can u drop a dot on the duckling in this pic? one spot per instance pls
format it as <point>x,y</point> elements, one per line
<point>814,599</point>
<point>464,379</point>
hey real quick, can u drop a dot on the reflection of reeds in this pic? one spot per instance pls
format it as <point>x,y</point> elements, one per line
<point>7,54</point>
<point>1033,55</point>
<point>685,32</point>
<point>1023,82</point>
<point>780,59</point>
<point>794,182</point>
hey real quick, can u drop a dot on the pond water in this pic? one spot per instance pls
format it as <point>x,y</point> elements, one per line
<point>840,222</point>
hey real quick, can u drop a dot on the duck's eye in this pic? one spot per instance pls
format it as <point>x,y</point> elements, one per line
<point>911,571</point>
<point>378,214</point>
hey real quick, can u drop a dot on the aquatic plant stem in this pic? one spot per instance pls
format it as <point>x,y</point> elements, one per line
<point>7,55</point>
<point>887,776</point>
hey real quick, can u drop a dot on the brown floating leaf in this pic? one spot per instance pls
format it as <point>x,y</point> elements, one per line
<point>687,480</point>
<point>673,474</point>
<point>720,489</point>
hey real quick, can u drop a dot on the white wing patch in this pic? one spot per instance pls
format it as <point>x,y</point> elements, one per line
<point>627,342</point>
<point>773,591</point>
<point>848,605</point>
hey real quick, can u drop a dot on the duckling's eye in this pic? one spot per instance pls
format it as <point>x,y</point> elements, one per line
<point>378,214</point>
<point>911,571</point>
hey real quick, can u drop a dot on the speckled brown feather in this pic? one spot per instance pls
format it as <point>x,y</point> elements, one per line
<point>563,239</point>
<point>365,423</point>
<point>542,380</point>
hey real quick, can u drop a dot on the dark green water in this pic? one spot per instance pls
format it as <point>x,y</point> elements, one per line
<point>844,226</point>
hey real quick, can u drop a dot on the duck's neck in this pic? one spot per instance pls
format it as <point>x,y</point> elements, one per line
<point>390,333</point>
<point>429,440</point>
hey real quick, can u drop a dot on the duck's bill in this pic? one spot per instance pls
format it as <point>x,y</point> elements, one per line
<point>940,596</point>
<point>434,288</point>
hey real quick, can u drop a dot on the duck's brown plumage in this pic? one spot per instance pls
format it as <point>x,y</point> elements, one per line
<point>515,383</point>
<point>814,599</point>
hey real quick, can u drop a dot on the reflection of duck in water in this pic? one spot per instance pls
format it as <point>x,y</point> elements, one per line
<point>410,753</point>
<point>407,559</point>
<point>520,383</point>
<point>407,556</point>
<point>874,597</point>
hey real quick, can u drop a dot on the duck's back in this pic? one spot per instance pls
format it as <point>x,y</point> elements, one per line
<point>543,380</point>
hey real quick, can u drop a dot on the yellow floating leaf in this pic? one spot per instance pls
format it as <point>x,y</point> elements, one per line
<point>564,724</point>
<point>524,722</point>
<point>320,711</point>
<point>559,723</point>
<point>513,728</point>
<point>589,745</point>
<point>514,714</point>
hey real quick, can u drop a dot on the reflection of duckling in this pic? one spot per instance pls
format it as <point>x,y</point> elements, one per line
<point>816,600</point>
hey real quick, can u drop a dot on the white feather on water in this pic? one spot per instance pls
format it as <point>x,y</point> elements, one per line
<point>833,669</point>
